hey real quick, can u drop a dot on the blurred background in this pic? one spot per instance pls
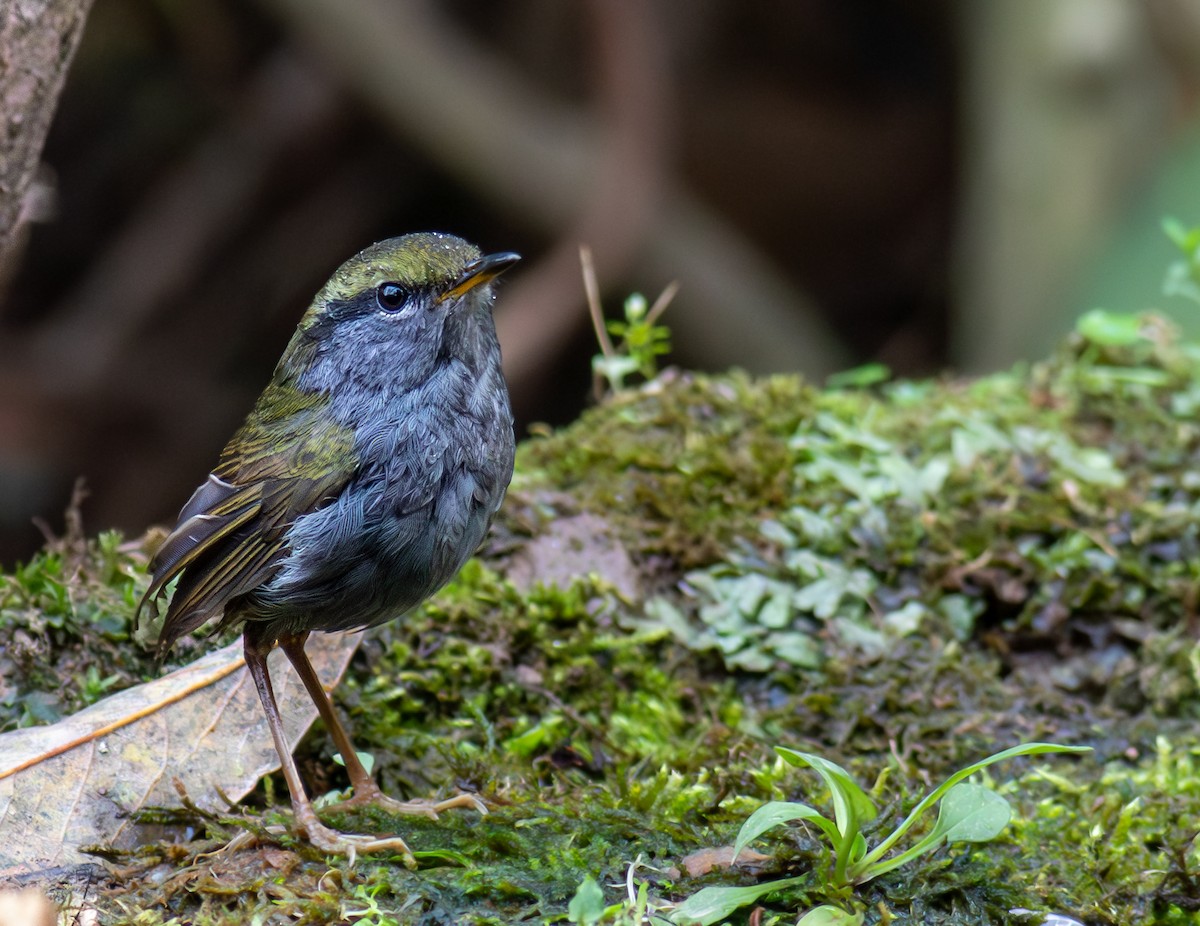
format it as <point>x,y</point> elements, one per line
<point>930,184</point>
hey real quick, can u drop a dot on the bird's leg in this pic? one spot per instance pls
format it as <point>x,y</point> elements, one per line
<point>366,791</point>
<point>256,647</point>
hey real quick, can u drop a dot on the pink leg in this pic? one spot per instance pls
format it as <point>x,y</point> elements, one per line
<point>366,791</point>
<point>327,840</point>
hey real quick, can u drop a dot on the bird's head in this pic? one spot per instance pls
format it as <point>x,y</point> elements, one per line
<point>401,305</point>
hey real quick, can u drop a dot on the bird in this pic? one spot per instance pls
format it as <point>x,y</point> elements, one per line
<point>367,473</point>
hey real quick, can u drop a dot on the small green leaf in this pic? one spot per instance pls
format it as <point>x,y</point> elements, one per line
<point>712,904</point>
<point>367,760</point>
<point>1088,464</point>
<point>614,369</point>
<point>1176,231</point>
<point>587,906</point>
<point>776,813</point>
<point>1110,329</point>
<point>531,740</point>
<point>971,813</point>
<point>869,374</point>
<point>1179,281</point>
<point>850,803</point>
<point>968,813</point>
<point>826,915</point>
<point>443,857</point>
<point>796,649</point>
<point>1184,238</point>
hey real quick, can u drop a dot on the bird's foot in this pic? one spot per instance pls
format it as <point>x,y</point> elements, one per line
<point>372,796</point>
<point>332,842</point>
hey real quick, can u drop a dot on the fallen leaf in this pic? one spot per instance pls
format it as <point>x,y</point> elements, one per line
<point>281,859</point>
<point>29,907</point>
<point>702,861</point>
<point>74,783</point>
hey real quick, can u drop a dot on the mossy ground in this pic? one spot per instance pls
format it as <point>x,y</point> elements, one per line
<point>902,579</point>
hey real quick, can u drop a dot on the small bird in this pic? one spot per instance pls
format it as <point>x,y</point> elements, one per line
<point>364,478</point>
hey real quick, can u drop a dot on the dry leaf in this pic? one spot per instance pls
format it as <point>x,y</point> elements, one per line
<point>29,907</point>
<point>73,783</point>
<point>702,861</point>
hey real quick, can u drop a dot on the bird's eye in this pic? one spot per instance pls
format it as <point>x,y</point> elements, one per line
<point>390,296</point>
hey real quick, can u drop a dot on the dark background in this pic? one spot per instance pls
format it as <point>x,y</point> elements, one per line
<point>932,185</point>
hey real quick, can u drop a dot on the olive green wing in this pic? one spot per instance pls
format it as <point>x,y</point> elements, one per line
<point>289,458</point>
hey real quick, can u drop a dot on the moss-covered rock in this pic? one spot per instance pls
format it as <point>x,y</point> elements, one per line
<point>904,579</point>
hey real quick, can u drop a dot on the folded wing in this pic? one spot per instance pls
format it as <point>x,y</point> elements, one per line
<point>286,460</point>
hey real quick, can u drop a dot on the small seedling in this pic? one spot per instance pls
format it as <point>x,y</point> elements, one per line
<point>330,798</point>
<point>93,686</point>
<point>587,906</point>
<point>968,813</point>
<point>642,341</point>
<point>1183,276</point>
<point>371,913</point>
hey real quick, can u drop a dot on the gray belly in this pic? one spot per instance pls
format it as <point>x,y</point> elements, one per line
<point>362,561</point>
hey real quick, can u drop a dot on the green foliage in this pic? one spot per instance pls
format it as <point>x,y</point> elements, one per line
<point>640,343</point>
<point>826,915</point>
<point>860,377</point>
<point>968,813</point>
<point>714,904</point>
<point>885,494</point>
<point>587,906</point>
<point>1108,329</point>
<point>681,467</point>
<point>65,626</point>
<point>641,340</point>
<point>1183,275</point>
<point>364,908</point>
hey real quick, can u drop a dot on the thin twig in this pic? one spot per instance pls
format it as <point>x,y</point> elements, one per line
<point>593,300</point>
<point>661,303</point>
<point>592,288</point>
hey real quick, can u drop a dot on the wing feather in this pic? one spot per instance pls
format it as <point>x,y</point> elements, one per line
<point>286,460</point>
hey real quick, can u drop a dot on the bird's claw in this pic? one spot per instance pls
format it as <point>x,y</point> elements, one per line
<point>374,797</point>
<point>350,845</point>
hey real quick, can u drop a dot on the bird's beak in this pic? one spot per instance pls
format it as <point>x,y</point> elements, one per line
<point>479,272</point>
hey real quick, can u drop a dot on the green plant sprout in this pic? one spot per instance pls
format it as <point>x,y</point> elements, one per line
<point>329,798</point>
<point>93,686</point>
<point>860,377</point>
<point>1183,276</point>
<point>372,914</point>
<point>642,341</point>
<point>968,813</point>
<point>587,907</point>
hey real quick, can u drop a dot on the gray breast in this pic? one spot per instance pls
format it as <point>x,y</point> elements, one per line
<point>432,476</point>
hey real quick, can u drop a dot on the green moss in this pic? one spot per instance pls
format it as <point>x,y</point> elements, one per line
<point>65,629</point>
<point>682,466</point>
<point>903,579</point>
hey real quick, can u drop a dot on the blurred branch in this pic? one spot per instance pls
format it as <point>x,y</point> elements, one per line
<point>191,211</point>
<point>616,214</point>
<point>71,387</point>
<point>545,162</point>
<point>38,39</point>
<point>1065,107</point>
